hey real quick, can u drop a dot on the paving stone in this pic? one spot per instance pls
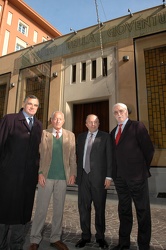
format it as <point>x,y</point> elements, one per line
<point>72,231</point>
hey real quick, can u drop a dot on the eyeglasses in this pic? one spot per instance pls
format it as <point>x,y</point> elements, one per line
<point>121,111</point>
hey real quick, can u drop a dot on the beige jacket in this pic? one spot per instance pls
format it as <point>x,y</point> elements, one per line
<point>69,155</point>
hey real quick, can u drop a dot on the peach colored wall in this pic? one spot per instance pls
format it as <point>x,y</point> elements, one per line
<point>34,25</point>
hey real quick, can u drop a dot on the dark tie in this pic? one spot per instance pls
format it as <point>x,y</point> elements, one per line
<point>118,134</point>
<point>57,134</point>
<point>30,122</point>
<point>87,157</point>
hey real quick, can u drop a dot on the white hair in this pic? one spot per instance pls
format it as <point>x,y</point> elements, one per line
<point>120,104</point>
<point>55,112</point>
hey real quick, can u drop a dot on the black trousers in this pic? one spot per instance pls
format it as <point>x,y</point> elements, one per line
<point>88,193</point>
<point>138,192</point>
<point>12,236</point>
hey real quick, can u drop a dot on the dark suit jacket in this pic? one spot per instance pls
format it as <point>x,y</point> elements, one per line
<point>133,154</point>
<point>100,158</point>
<point>19,163</point>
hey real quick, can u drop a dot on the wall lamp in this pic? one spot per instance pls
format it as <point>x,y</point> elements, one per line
<point>12,85</point>
<point>55,74</point>
<point>126,58</point>
<point>71,29</point>
<point>131,14</point>
<point>101,24</point>
<point>32,46</point>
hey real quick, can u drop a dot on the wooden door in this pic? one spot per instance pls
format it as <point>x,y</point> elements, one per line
<point>80,112</point>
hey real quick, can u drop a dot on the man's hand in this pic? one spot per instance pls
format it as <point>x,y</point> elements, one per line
<point>41,180</point>
<point>71,180</point>
<point>107,183</point>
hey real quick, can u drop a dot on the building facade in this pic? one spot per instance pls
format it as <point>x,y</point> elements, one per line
<point>22,27</point>
<point>122,60</point>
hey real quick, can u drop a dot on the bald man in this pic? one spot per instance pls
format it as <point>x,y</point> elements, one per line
<point>93,179</point>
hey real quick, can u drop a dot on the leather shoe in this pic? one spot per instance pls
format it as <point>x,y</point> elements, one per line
<point>59,245</point>
<point>119,247</point>
<point>82,242</point>
<point>33,246</point>
<point>102,243</point>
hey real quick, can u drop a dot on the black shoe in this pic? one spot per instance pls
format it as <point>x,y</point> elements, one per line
<point>102,243</point>
<point>81,243</point>
<point>119,247</point>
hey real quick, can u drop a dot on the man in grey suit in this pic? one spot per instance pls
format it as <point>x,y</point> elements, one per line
<point>93,183</point>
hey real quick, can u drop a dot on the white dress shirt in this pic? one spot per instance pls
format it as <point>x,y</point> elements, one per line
<point>54,132</point>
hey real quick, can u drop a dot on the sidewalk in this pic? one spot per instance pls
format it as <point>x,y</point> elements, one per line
<point>72,232</point>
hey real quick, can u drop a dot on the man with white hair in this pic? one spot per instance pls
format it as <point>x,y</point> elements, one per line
<point>132,155</point>
<point>57,169</point>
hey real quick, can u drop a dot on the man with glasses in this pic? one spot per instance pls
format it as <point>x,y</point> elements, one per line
<point>132,155</point>
<point>20,135</point>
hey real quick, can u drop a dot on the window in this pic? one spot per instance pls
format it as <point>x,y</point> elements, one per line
<point>156,93</point>
<point>23,28</point>
<point>9,18</point>
<point>93,69</point>
<point>6,42</point>
<point>20,44</point>
<point>18,47</point>
<point>104,66</point>
<point>83,76</point>
<point>74,73</point>
<point>36,80</point>
<point>4,93</point>
<point>44,39</point>
<point>35,35</point>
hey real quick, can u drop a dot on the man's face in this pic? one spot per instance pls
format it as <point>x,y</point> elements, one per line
<point>30,106</point>
<point>58,121</point>
<point>92,123</point>
<point>120,113</point>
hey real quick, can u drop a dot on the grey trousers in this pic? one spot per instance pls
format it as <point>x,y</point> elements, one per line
<point>56,189</point>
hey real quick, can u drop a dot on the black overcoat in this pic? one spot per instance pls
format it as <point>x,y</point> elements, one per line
<point>19,162</point>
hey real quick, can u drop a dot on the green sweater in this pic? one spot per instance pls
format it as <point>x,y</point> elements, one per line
<point>56,171</point>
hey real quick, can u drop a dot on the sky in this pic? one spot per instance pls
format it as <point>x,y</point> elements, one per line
<point>80,14</point>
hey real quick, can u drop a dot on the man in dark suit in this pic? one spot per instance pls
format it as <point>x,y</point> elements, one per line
<point>93,183</point>
<point>132,155</point>
<point>20,135</point>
